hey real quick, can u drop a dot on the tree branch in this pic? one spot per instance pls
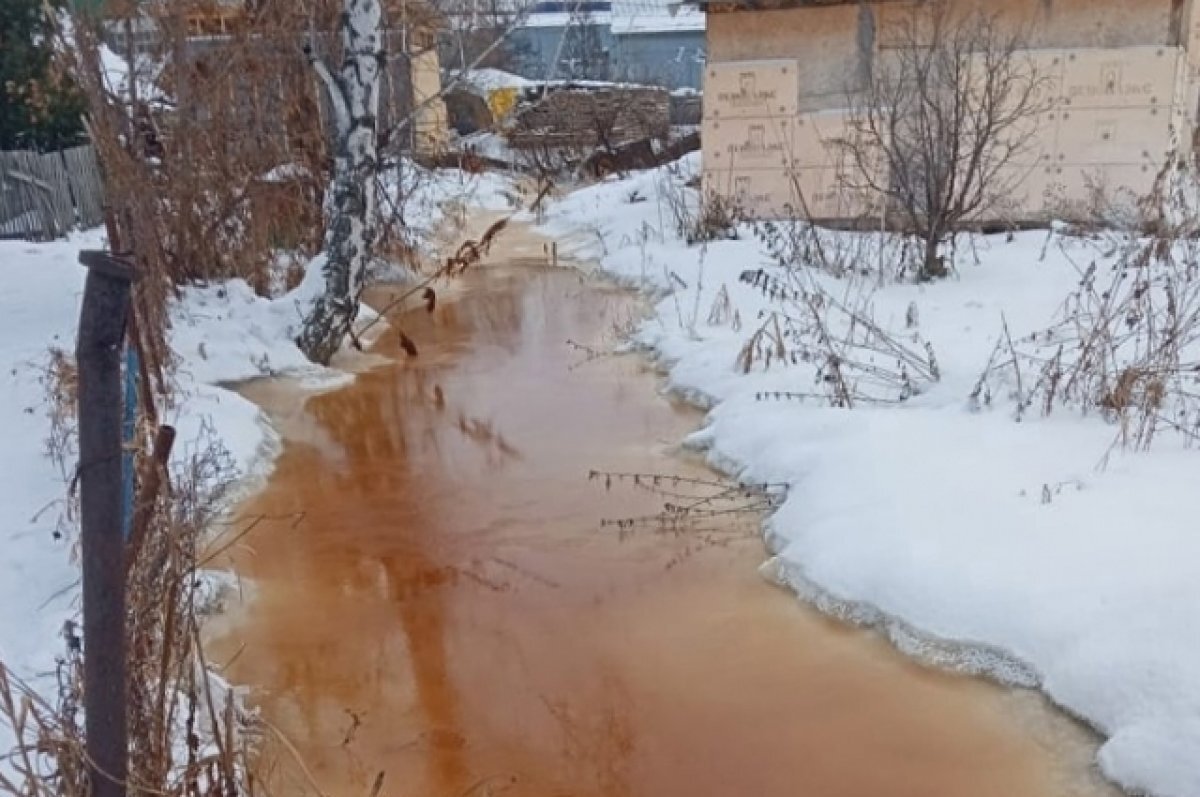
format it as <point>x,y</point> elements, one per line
<point>333,89</point>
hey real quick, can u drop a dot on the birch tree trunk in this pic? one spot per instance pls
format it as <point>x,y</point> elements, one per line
<point>350,205</point>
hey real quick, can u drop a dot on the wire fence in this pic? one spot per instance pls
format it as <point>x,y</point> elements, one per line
<point>44,196</point>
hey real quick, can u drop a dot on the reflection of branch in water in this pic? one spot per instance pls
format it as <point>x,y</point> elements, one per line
<point>355,724</point>
<point>491,785</point>
<point>484,433</point>
<point>529,574</point>
<point>600,741</point>
<point>590,354</point>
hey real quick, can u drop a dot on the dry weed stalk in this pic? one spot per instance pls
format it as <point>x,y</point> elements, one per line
<point>699,218</point>
<point>855,360</point>
<point>1126,342</point>
<point>188,734</point>
<point>191,150</point>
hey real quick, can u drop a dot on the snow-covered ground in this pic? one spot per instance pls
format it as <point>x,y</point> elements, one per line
<point>980,542</point>
<point>42,284</point>
<point>220,333</point>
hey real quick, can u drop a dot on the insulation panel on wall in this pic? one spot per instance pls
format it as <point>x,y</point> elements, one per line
<point>820,138</point>
<point>1115,136</point>
<point>1075,191</point>
<point>749,143</point>
<point>1126,77</point>
<point>757,193</point>
<point>745,89</point>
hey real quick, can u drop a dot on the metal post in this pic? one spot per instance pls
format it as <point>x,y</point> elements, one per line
<point>98,352</point>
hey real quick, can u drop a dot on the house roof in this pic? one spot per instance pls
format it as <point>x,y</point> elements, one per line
<point>655,16</point>
<point>763,5</point>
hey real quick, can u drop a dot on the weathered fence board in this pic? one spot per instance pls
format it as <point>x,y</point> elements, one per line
<point>87,189</point>
<point>44,196</point>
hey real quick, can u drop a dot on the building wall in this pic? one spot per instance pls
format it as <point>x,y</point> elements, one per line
<point>672,59</point>
<point>430,125</point>
<point>1125,89</point>
<point>539,45</point>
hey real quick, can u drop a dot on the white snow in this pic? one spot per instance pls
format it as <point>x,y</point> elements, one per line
<point>221,334</point>
<point>1004,543</point>
<point>488,79</point>
<point>42,284</point>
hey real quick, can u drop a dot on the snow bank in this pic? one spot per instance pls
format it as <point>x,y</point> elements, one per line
<point>39,305</point>
<point>996,546</point>
<point>221,334</point>
<point>429,198</point>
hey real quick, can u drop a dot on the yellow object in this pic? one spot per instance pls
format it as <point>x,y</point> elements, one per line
<point>501,102</point>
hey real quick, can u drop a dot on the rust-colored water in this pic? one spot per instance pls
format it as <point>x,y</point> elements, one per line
<point>450,612</point>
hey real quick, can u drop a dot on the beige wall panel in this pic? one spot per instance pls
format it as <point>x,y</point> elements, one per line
<point>1034,194</point>
<point>819,136</point>
<point>1107,121</point>
<point>1061,23</point>
<point>1048,68</point>
<point>1121,78</point>
<point>1114,136</point>
<point>748,143</point>
<point>432,125</point>
<point>759,193</point>
<point>1035,138</point>
<point>836,199</point>
<point>825,39</point>
<point>751,88</point>
<point>1191,91</point>
<point>777,193</point>
<point>1074,188</point>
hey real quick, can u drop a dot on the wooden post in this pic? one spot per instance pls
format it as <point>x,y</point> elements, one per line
<point>98,352</point>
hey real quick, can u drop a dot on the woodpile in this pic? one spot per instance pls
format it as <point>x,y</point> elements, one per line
<point>587,117</point>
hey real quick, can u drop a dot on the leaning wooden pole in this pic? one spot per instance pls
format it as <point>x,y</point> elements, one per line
<point>102,323</point>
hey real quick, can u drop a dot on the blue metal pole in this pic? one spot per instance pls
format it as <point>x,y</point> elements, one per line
<point>129,429</point>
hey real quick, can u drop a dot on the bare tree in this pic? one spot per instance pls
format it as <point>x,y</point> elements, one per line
<point>350,207</point>
<point>939,129</point>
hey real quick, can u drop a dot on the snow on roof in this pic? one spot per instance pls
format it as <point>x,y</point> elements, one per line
<point>655,16</point>
<point>560,19</point>
<point>488,79</point>
<point>623,16</point>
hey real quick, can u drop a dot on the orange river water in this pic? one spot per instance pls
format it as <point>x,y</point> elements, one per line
<point>453,612</point>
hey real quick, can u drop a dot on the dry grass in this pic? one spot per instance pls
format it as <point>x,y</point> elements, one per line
<point>854,359</point>
<point>188,733</point>
<point>187,160</point>
<point>711,216</point>
<point>1125,344</point>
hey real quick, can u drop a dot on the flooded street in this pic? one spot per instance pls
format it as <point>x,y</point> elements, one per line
<point>450,609</point>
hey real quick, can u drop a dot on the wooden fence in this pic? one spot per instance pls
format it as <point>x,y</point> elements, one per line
<point>44,196</point>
